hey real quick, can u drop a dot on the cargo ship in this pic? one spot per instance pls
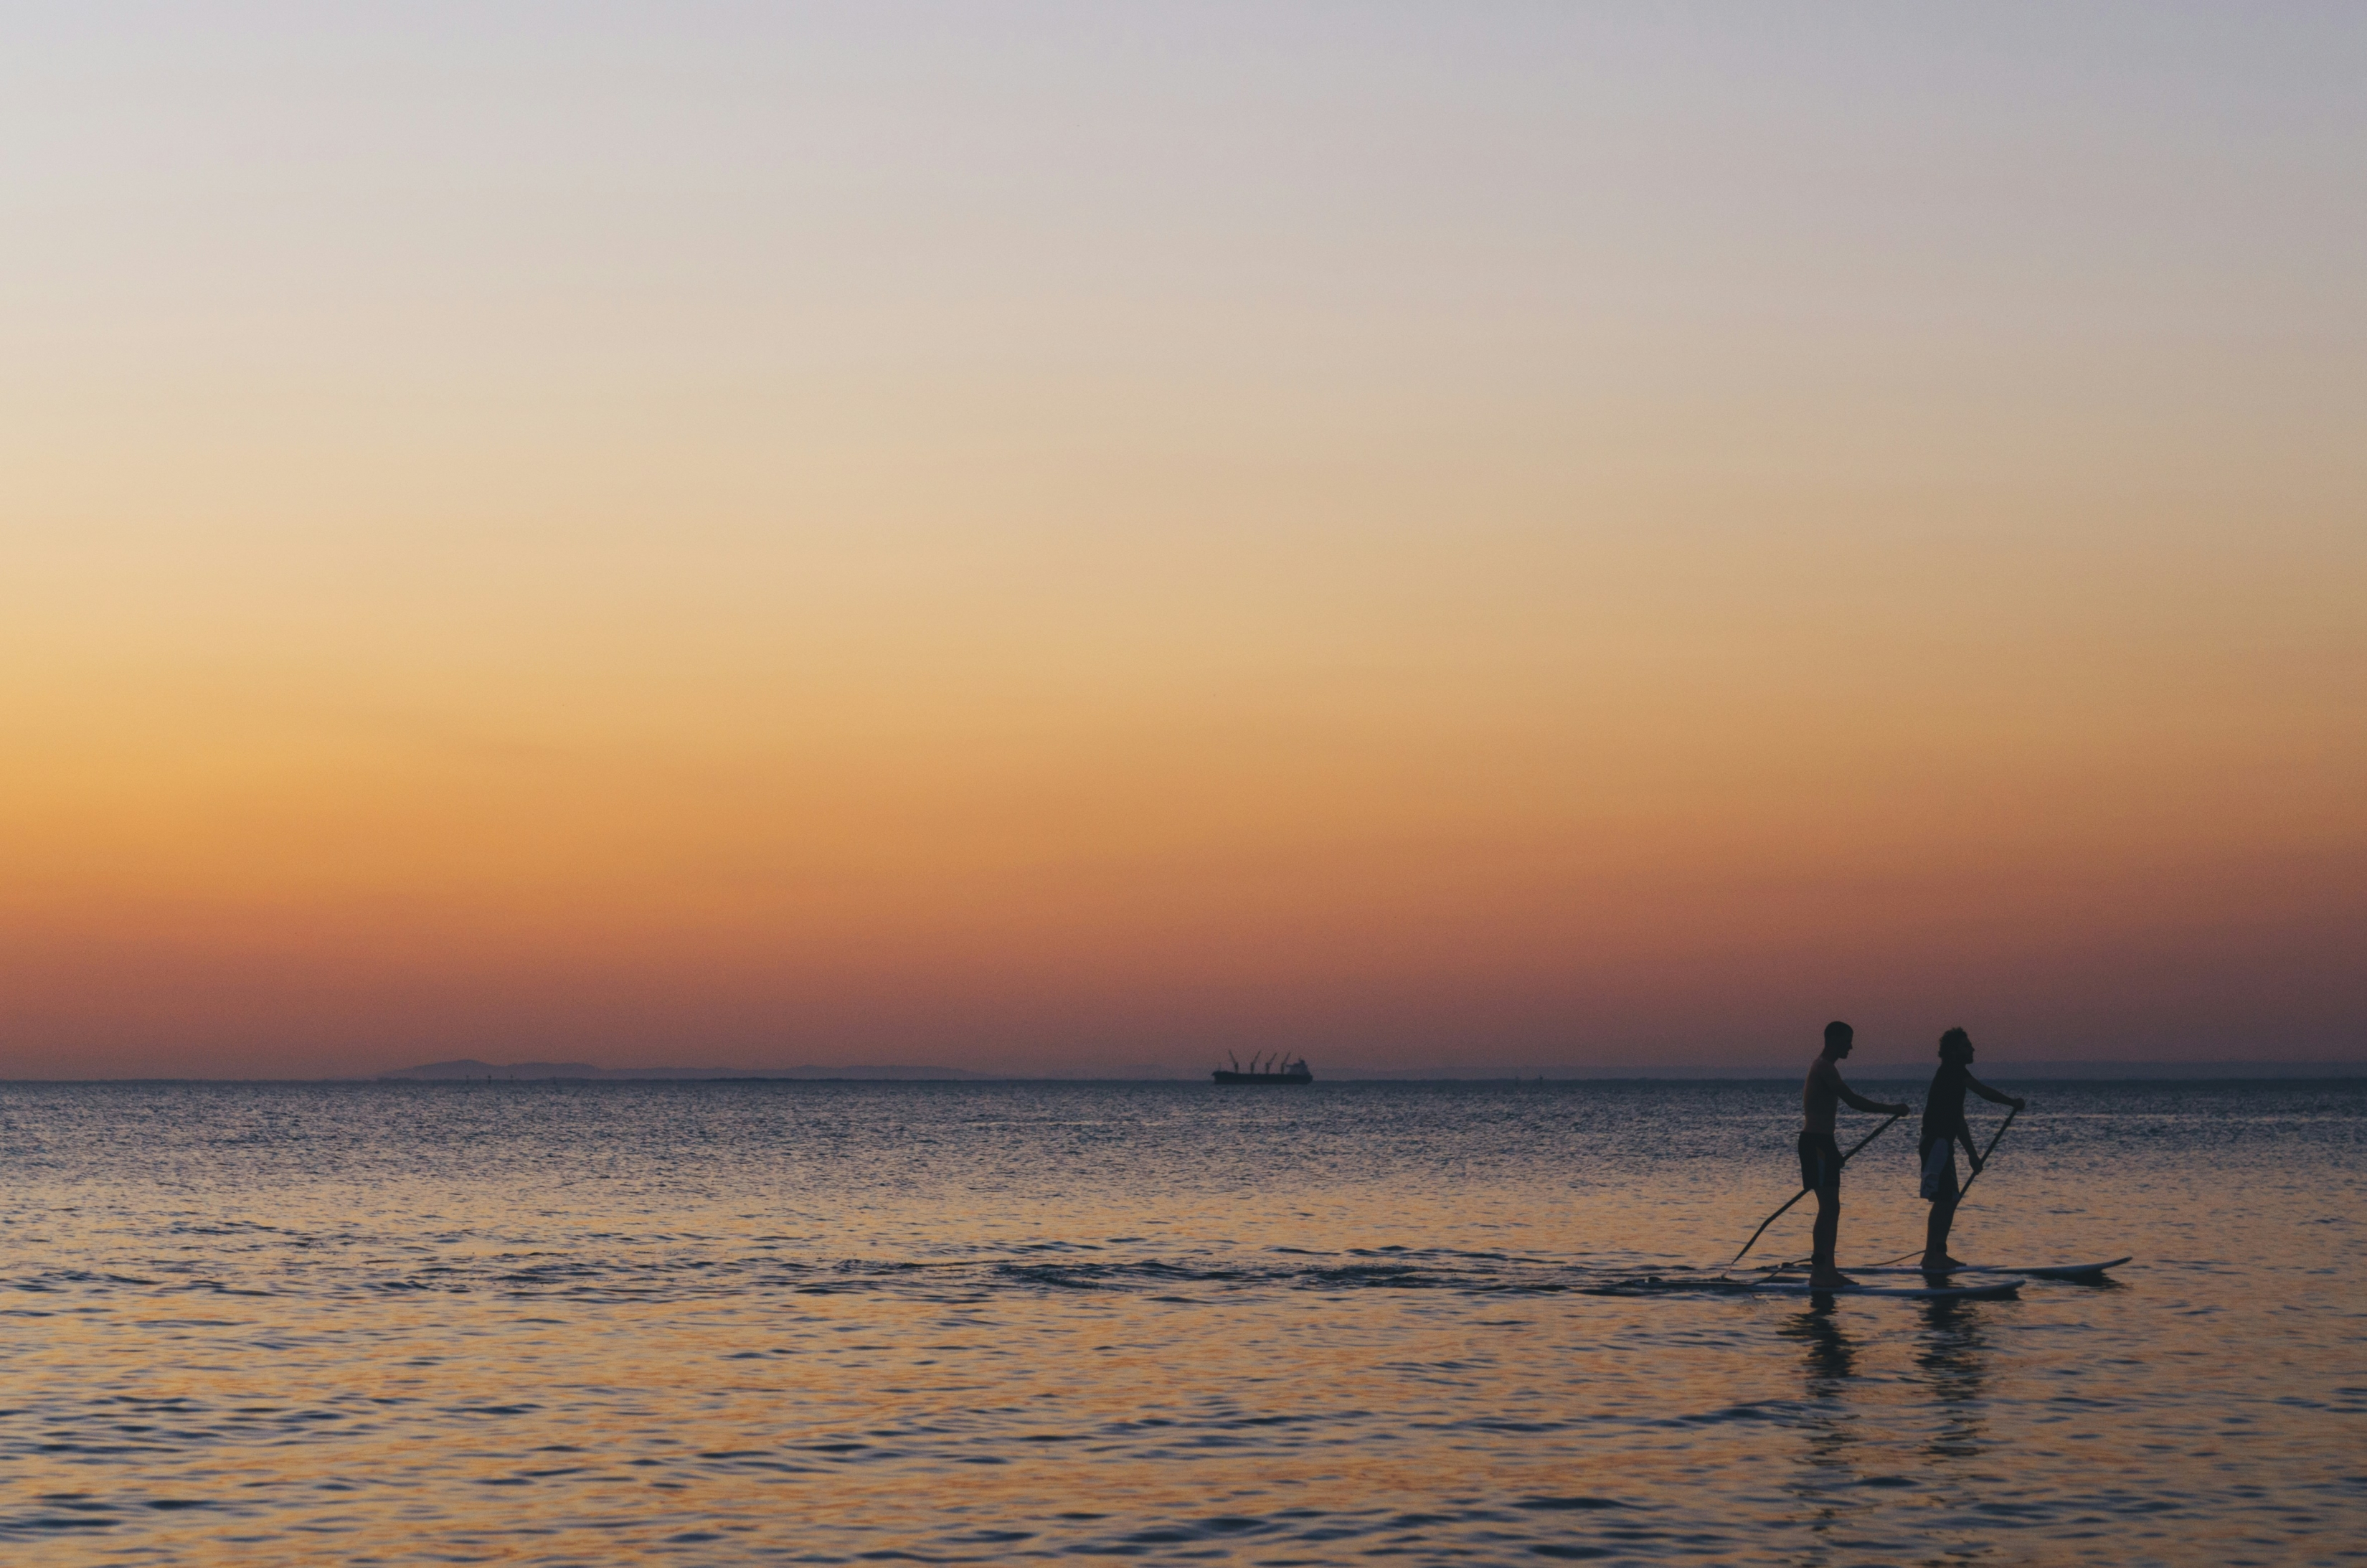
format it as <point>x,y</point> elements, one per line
<point>1274,1069</point>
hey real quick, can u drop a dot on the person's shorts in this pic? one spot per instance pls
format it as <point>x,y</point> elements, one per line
<point>1820,1160</point>
<point>1940,1170</point>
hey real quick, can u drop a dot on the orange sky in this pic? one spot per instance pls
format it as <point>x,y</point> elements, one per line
<point>1518,541</point>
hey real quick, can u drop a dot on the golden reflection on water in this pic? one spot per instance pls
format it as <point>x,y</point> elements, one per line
<point>975,1341</point>
<point>1954,1360</point>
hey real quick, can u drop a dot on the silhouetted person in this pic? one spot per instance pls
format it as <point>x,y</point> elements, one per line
<point>1944,1129</point>
<point>1821,1157</point>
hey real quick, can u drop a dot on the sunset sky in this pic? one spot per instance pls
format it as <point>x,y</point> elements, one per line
<point>1040,537</point>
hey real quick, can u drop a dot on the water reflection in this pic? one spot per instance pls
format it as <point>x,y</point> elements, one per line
<point>1827,1364</point>
<point>1829,1355</point>
<point>757,1323</point>
<point>1954,1358</point>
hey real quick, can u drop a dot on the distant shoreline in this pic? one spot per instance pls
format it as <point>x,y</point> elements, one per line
<point>1870,1072</point>
<point>1155,1074</point>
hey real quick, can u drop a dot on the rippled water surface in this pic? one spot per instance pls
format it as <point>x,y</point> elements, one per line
<point>815,1323</point>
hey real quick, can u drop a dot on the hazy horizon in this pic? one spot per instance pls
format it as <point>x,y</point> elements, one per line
<point>1032,535</point>
<point>1890,1071</point>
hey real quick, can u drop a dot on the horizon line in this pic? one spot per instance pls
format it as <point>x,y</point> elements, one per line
<point>2061,1069</point>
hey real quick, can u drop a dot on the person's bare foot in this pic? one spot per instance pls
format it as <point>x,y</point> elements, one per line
<point>1829,1279</point>
<point>1942,1264</point>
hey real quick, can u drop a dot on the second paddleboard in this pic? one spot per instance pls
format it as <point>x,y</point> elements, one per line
<point>2000,1290</point>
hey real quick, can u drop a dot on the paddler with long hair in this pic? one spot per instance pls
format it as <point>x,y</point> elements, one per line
<point>1821,1157</point>
<point>1943,1128</point>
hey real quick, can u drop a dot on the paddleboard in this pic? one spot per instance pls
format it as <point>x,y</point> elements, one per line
<point>2040,1271</point>
<point>1996,1291</point>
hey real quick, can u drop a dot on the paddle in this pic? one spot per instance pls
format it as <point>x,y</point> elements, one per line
<point>2009,1114</point>
<point>1805,1191</point>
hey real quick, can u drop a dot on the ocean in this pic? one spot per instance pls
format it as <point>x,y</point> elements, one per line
<point>828,1322</point>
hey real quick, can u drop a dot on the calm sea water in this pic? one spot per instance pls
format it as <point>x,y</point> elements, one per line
<point>802,1323</point>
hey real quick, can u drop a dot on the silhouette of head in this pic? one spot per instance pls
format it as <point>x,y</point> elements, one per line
<point>1955,1046</point>
<point>1839,1036</point>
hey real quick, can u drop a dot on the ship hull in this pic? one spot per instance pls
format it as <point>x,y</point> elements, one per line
<point>1222,1076</point>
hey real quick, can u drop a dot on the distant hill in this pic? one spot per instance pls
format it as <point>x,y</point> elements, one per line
<point>467,1069</point>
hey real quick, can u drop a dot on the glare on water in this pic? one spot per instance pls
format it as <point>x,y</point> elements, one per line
<point>548,1324</point>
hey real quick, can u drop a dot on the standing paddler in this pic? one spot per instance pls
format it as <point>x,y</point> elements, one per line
<point>1943,1128</point>
<point>1821,1157</point>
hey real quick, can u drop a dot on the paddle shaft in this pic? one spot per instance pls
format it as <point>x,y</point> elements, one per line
<point>2009,1114</point>
<point>1805,1191</point>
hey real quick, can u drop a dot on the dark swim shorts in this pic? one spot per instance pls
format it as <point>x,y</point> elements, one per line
<point>1820,1160</point>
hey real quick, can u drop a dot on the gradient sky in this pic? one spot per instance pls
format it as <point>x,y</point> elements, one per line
<point>1043,537</point>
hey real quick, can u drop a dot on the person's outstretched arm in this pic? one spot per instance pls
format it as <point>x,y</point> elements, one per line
<point>1861,1103</point>
<point>1994,1097</point>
